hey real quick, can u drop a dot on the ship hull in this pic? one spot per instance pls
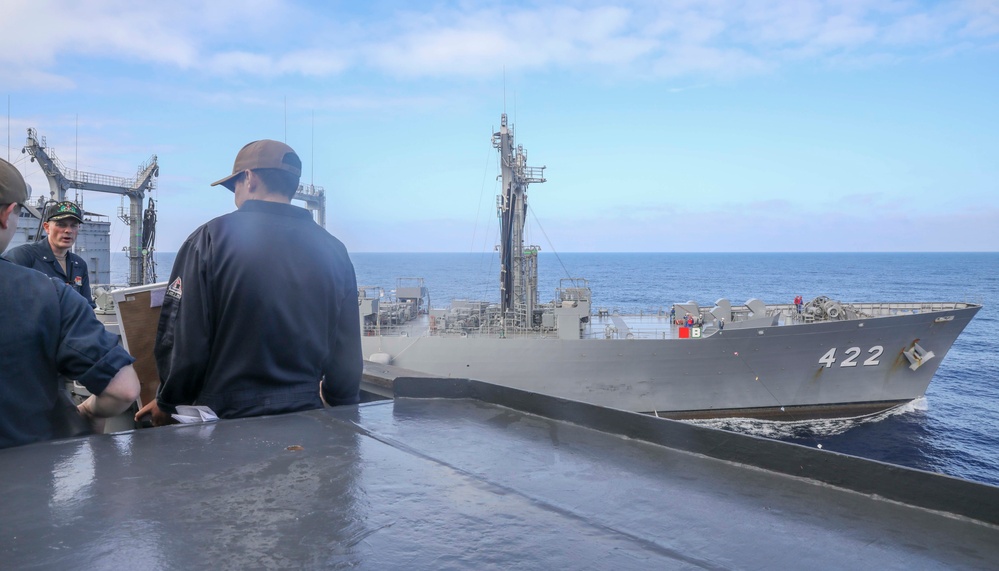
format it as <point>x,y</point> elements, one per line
<point>835,368</point>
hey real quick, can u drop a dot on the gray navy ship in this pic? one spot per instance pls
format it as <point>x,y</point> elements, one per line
<point>816,359</point>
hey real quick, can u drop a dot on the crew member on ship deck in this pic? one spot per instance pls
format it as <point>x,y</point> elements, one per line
<point>260,315</point>
<point>52,256</point>
<point>48,331</point>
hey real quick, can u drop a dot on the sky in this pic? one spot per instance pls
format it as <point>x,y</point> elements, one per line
<point>664,126</point>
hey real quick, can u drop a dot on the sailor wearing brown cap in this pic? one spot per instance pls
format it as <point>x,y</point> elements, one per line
<point>260,315</point>
<point>52,256</point>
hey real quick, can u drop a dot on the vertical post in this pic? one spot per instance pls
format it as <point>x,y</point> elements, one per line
<point>135,270</point>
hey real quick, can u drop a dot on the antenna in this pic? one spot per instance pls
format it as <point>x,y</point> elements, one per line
<point>76,160</point>
<point>312,158</point>
<point>8,128</point>
<point>504,89</point>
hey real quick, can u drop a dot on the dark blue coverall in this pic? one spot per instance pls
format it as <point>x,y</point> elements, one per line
<point>39,256</point>
<point>261,305</point>
<point>48,331</point>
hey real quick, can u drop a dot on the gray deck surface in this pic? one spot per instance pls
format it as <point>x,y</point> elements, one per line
<point>443,484</point>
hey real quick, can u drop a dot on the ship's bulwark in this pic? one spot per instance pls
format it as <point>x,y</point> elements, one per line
<point>785,372</point>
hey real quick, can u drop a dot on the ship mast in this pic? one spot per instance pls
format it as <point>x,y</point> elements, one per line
<point>518,267</point>
<point>61,179</point>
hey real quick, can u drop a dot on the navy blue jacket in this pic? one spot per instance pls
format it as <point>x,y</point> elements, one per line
<point>47,330</point>
<point>39,256</point>
<point>261,305</point>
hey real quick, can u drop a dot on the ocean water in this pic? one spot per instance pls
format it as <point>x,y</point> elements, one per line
<point>953,430</point>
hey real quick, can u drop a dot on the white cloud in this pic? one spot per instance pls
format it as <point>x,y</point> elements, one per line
<point>982,18</point>
<point>707,60</point>
<point>843,31</point>
<point>313,62</point>
<point>239,62</point>
<point>270,38</point>
<point>38,34</point>
<point>914,29</point>
<point>28,79</point>
<point>444,52</point>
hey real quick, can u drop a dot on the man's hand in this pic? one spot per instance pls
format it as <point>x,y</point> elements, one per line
<point>85,409</point>
<point>159,418</point>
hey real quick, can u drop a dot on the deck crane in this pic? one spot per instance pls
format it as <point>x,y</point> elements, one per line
<point>315,201</point>
<point>140,248</point>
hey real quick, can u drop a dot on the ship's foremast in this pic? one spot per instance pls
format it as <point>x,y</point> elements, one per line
<point>518,265</point>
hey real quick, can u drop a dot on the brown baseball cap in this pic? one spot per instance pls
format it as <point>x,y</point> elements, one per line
<point>263,154</point>
<point>13,189</point>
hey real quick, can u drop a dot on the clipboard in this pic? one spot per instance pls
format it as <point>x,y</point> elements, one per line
<point>138,311</point>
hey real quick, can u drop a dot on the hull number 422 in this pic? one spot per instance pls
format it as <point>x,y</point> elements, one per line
<point>851,356</point>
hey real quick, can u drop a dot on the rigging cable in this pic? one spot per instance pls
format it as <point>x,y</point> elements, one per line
<point>478,208</point>
<point>547,239</point>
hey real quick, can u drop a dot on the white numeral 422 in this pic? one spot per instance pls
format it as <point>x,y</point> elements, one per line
<point>851,355</point>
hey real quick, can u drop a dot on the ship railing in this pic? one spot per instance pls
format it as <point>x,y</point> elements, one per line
<point>311,190</point>
<point>387,330</point>
<point>901,308</point>
<point>485,329</point>
<point>660,311</point>
<point>573,289</point>
<point>866,310</point>
<point>370,292</point>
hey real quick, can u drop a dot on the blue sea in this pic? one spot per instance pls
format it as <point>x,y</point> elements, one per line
<point>954,430</point>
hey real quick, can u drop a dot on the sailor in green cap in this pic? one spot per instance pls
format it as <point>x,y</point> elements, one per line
<point>52,256</point>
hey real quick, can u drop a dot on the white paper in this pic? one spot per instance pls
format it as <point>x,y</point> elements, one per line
<point>156,297</point>
<point>194,414</point>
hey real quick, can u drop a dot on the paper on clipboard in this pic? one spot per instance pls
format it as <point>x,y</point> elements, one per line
<point>194,414</point>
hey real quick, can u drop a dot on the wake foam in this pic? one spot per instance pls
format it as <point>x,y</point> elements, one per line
<point>779,429</point>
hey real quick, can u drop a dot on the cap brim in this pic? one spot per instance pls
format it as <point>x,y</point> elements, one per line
<point>65,216</point>
<point>226,182</point>
<point>34,211</point>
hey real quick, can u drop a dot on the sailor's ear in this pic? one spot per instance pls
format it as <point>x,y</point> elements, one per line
<point>252,181</point>
<point>6,213</point>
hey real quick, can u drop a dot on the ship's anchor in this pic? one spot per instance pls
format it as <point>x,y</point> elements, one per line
<point>917,356</point>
